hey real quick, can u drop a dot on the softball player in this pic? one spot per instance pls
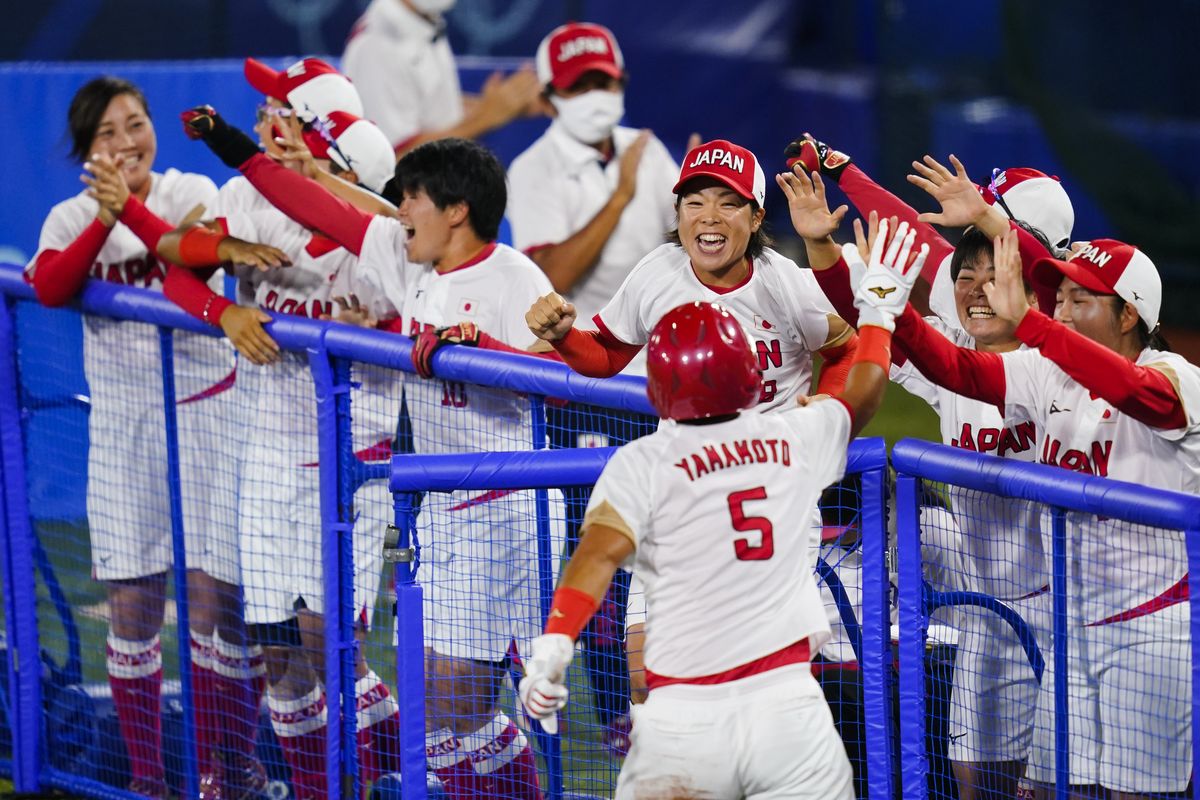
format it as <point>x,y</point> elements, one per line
<point>729,634</point>
<point>109,233</point>
<point>1110,402</point>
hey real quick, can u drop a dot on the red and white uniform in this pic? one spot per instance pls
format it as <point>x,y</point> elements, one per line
<point>559,184</point>
<point>733,604</point>
<point>128,512</point>
<point>780,307</point>
<point>478,560</point>
<point>280,481</point>
<point>403,68</point>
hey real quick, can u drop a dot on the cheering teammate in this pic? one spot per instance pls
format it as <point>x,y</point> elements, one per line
<point>714,662</point>
<point>441,257</point>
<point>1110,401</point>
<point>279,487</point>
<point>110,233</point>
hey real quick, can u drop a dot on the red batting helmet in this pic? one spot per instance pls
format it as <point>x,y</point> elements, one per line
<point>699,364</point>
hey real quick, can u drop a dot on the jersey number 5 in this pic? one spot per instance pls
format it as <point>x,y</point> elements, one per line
<point>742,547</point>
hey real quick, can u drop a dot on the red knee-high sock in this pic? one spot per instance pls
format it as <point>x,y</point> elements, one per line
<point>495,761</point>
<point>135,675</point>
<point>378,728</point>
<point>240,678</point>
<point>300,728</point>
<point>204,700</point>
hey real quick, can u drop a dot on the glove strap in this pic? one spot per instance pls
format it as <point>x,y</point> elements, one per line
<point>570,611</point>
<point>874,346</point>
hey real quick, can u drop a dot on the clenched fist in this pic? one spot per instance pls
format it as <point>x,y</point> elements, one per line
<point>551,317</point>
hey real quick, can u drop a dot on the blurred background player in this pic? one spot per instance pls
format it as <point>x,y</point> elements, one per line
<point>400,60</point>
<point>110,232</point>
<point>441,258</point>
<point>279,487</point>
<point>586,201</point>
<point>1111,401</point>
<point>713,661</point>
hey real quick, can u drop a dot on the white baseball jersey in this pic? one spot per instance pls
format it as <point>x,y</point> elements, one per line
<point>780,307</point>
<point>494,291</point>
<point>713,511</point>
<point>403,69</point>
<point>1124,567</point>
<point>559,184</point>
<point>1002,537</point>
<point>238,196</point>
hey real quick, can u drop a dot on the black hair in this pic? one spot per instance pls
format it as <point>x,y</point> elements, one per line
<point>1146,337</point>
<point>760,239</point>
<point>88,107</point>
<point>455,171</point>
<point>975,243</point>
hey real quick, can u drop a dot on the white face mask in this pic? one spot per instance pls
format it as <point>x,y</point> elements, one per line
<point>432,7</point>
<point>591,116</point>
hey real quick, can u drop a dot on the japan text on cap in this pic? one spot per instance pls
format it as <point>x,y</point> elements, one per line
<point>731,164</point>
<point>1107,266</point>
<point>575,48</point>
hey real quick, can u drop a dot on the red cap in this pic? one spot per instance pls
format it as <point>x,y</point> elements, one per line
<point>311,86</point>
<point>1107,266</point>
<point>1036,198</point>
<point>361,146</point>
<point>731,164</point>
<point>575,48</point>
<point>699,364</point>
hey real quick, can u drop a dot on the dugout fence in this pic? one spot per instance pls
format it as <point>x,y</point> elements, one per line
<point>58,730</point>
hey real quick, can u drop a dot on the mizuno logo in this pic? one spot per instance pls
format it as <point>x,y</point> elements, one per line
<point>880,291</point>
<point>556,614</point>
<point>1054,409</point>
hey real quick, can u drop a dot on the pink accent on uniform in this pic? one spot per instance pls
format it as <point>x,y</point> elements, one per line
<point>1179,593</point>
<point>486,497</point>
<point>135,677</point>
<point>729,163</point>
<point>570,50</point>
<point>223,385</point>
<point>796,653</point>
<point>1109,267</point>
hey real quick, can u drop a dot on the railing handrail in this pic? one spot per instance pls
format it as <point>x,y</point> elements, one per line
<point>518,373</point>
<point>1046,484</point>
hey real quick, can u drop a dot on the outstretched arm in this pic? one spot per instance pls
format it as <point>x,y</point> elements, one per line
<point>596,354</point>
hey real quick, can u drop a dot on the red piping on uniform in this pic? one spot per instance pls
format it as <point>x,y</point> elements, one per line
<point>1034,593</point>
<point>1176,594</point>
<point>529,251</point>
<point>476,259</point>
<point>379,451</point>
<point>223,385</point>
<point>727,289</point>
<point>796,653</point>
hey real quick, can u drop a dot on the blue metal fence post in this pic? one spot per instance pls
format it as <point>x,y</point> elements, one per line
<point>550,745</point>
<point>347,614</point>
<point>20,611</point>
<point>332,530</point>
<point>191,781</point>
<point>876,658</point>
<point>1061,632</point>
<point>1192,539</point>
<point>914,763</point>
<point>410,652</point>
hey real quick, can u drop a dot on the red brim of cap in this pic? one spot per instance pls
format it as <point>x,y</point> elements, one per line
<point>1050,272</point>
<point>716,175</point>
<point>565,79</point>
<point>262,78</point>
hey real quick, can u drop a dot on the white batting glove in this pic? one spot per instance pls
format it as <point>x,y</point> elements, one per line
<point>883,292</point>
<point>543,690</point>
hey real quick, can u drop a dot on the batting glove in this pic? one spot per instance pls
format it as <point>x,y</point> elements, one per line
<point>883,292</point>
<point>429,342</point>
<point>816,156</point>
<point>543,690</point>
<point>230,144</point>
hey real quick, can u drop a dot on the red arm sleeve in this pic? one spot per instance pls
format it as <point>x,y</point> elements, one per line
<point>186,289</point>
<point>489,342</point>
<point>959,369</point>
<point>58,275</point>
<point>595,354</point>
<point>1143,393</point>
<point>867,196</point>
<point>144,223</point>
<point>835,366</point>
<point>308,202</point>
<point>835,283</point>
<point>1031,250</point>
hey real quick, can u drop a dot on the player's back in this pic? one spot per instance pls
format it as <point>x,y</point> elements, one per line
<point>727,546</point>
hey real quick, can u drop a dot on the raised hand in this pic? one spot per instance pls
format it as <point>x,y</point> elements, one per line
<point>230,144</point>
<point>883,292</point>
<point>429,342</point>
<point>550,317</point>
<point>808,206</point>
<point>504,98</point>
<point>252,254</point>
<point>543,690</point>
<point>816,156</point>
<point>244,328</point>
<point>961,202</point>
<point>106,185</point>
<point>290,149</point>
<point>630,159</point>
<point>353,312</point>
<point>1007,293</point>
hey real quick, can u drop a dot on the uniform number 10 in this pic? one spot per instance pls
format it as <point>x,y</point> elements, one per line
<point>737,513</point>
